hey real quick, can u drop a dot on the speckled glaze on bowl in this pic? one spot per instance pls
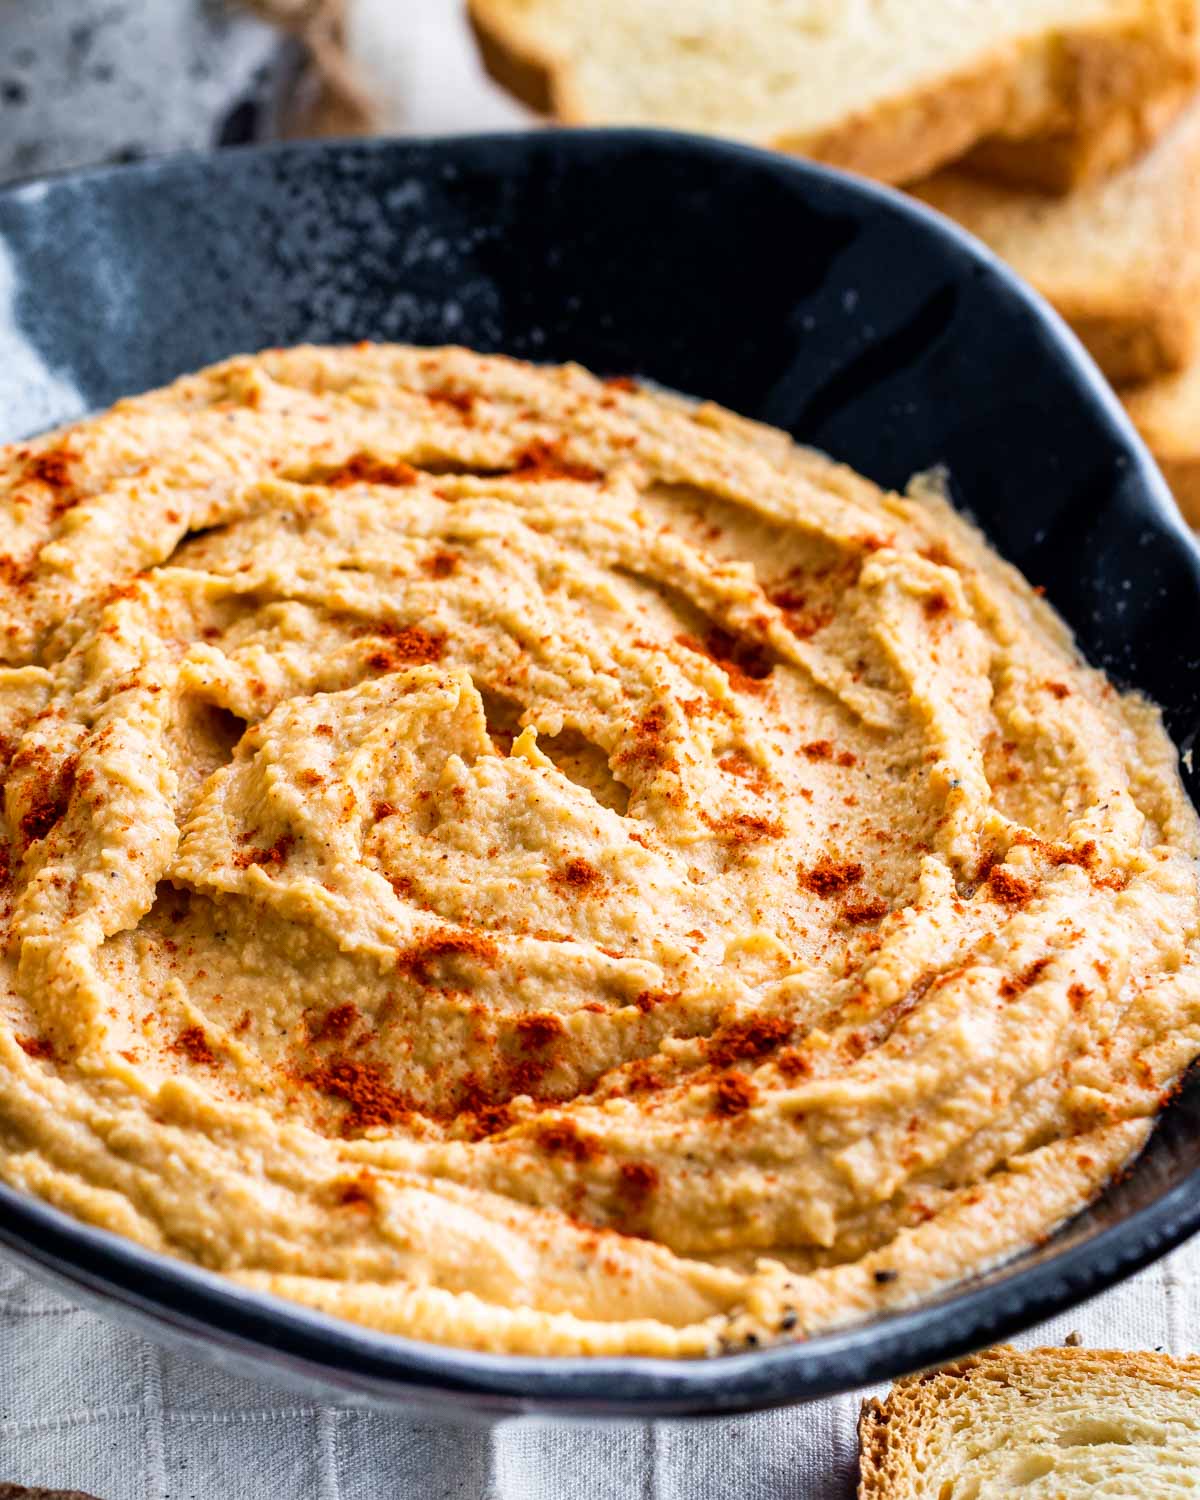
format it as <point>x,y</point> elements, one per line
<point>840,311</point>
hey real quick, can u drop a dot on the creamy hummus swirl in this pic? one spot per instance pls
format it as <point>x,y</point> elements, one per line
<point>526,862</point>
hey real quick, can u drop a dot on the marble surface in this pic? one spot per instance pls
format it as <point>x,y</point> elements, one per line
<point>88,81</point>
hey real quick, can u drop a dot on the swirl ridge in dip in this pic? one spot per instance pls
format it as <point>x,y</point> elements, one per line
<point>527,862</point>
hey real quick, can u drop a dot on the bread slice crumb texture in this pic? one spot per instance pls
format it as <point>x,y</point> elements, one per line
<point>1048,1424</point>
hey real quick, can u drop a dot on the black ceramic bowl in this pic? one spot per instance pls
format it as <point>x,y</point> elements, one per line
<point>842,312</point>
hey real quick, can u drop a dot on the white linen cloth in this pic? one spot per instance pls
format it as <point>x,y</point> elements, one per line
<point>86,1405</point>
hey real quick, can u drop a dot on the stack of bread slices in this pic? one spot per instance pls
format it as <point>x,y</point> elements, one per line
<point>1064,133</point>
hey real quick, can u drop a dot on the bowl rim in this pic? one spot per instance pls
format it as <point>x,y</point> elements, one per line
<point>278,1338</point>
<point>287,1340</point>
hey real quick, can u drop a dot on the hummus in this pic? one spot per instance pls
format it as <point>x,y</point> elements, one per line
<point>529,863</point>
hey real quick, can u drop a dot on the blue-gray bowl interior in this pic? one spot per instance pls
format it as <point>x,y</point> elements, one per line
<point>842,312</point>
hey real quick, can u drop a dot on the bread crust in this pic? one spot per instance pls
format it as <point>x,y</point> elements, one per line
<point>526,73</point>
<point>1059,162</point>
<point>1083,92</point>
<point>1167,414</point>
<point>888,1429</point>
<point>1132,346</point>
<point>23,1492</point>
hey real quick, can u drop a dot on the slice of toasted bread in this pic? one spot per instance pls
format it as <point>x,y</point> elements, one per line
<point>1061,161</point>
<point>1049,1424</point>
<point>885,88</point>
<point>1167,414</point>
<point>1119,259</point>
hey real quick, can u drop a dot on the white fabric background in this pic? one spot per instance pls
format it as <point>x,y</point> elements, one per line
<point>84,1404</point>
